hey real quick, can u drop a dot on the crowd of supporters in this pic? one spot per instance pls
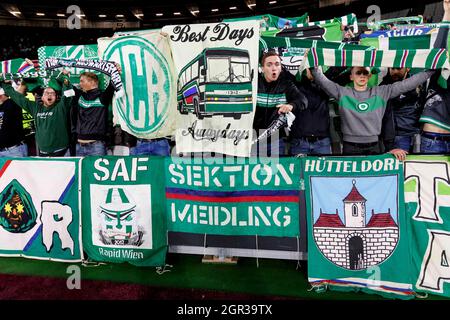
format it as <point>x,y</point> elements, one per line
<point>411,114</point>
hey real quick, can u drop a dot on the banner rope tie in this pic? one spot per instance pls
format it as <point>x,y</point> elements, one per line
<point>298,254</point>
<point>161,270</point>
<point>257,255</point>
<point>318,287</point>
<point>420,295</point>
<point>204,245</point>
<point>86,263</point>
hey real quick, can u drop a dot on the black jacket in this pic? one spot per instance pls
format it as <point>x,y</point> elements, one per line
<point>11,128</point>
<point>403,112</point>
<point>315,120</point>
<point>437,108</point>
<point>91,109</point>
<point>283,89</point>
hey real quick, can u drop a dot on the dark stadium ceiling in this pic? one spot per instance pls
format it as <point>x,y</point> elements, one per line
<point>188,11</point>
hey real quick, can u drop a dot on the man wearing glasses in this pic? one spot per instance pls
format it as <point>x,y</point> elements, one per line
<point>51,115</point>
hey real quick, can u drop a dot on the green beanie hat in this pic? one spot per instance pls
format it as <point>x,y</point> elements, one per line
<point>33,83</point>
<point>52,83</point>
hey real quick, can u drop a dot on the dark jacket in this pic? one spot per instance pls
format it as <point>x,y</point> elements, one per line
<point>271,94</point>
<point>403,112</point>
<point>91,109</point>
<point>11,128</point>
<point>437,108</point>
<point>315,120</point>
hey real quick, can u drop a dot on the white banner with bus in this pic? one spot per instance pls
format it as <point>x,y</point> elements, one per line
<point>216,67</point>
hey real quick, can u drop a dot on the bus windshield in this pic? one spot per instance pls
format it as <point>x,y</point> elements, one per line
<point>228,69</point>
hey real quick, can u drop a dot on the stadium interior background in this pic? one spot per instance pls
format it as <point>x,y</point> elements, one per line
<point>29,24</point>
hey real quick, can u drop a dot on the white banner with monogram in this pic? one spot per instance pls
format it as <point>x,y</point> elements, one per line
<point>147,109</point>
<point>216,67</point>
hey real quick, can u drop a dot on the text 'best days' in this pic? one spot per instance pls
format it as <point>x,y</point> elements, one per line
<point>220,32</point>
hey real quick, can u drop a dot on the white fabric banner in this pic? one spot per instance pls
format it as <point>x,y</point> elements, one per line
<point>216,66</point>
<point>147,106</point>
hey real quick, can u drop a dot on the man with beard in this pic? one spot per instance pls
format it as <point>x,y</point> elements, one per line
<point>402,115</point>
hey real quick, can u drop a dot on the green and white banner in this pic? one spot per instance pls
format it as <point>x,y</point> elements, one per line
<point>328,32</point>
<point>88,51</point>
<point>347,20</point>
<point>216,66</point>
<point>420,58</point>
<point>249,197</point>
<point>124,210</point>
<point>40,217</point>
<point>270,22</point>
<point>292,50</point>
<point>357,229</point>
<point>427,199</point>
<point>406,38</point>
<point>414,38</point>
<point>147,108</point>
<point>396,22</point>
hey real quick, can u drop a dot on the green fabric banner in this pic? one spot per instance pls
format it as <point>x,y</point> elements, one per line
<point>39,215</point>
<point>347,20</point>
<point>248,197</point>
<point>88,51</point>
<point>357,233</point>
<point>271,22</point>
<point>328,32</point>
<point>427,199</point>
<point>396,22</point>
<point>124,210</point>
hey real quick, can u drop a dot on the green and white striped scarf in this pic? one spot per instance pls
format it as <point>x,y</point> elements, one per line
<point>420,58</point>
<point>29,75</point>
<point>347,20</point>
<point>15,66</point>
<point>398,22</point>
<point>266,43</point>
<point>292,50</point>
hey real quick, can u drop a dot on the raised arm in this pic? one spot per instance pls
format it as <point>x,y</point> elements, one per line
<point>409,84</point>
<point>330,87</point>
<point>19,99</point>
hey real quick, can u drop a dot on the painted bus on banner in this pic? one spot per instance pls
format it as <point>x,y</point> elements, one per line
<point>216,82</point>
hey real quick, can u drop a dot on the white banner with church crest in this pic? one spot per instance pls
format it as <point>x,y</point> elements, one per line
<point>147,107</point>
<point>39,209</point>
<point>216,66</point>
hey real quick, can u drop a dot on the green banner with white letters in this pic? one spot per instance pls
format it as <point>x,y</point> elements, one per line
<point>124,210</point>
<point>256,196</point>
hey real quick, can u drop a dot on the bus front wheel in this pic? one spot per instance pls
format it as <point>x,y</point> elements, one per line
<point>181,108</point>
<point>197,109</point>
